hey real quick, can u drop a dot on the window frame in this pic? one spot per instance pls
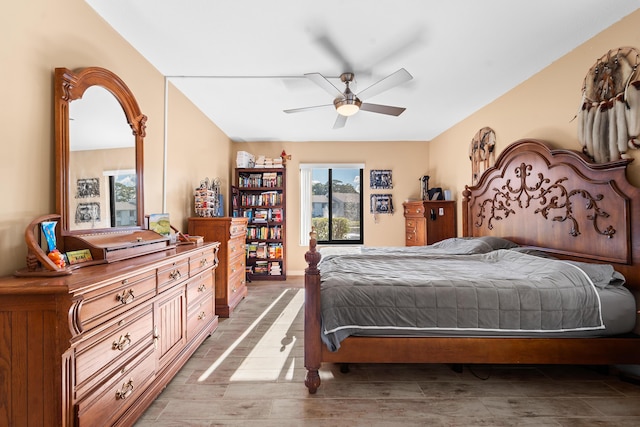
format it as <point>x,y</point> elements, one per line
<point>306,201</point>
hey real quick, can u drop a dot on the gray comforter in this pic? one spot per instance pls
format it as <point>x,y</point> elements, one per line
<point>435,288</point>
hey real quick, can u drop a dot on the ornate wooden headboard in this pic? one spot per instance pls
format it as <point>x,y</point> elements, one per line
<point>558,201</point>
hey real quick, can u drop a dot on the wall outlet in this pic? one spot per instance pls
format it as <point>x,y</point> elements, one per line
<point>441,211</point>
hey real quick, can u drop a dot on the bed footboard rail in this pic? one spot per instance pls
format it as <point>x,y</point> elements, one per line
<point>312,341</point>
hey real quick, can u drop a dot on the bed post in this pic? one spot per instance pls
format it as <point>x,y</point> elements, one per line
<point>466,197</point>
<point>312,341</point>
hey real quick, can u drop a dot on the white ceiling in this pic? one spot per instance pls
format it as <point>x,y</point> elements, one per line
<point>242,61</point>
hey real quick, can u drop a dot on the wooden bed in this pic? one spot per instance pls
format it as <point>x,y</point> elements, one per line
<point>554,200</point>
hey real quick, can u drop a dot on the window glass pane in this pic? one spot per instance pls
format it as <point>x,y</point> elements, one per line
<point>320,202</point>
<point>345,204</point>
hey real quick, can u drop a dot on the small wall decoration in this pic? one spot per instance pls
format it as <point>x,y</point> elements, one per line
<point>609,113</point>
<point>381,204</point>
<point>87,187</point>
<point>482,152</point>
<point>380,179</point>
<point>88,212</point>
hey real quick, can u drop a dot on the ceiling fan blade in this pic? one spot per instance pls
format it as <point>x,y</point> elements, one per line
<point>387,83</point>
<point>328,45</point>
<point>382,109</point>
<point>340,121</point>
<point>315,107</point>
<point>325,84</point>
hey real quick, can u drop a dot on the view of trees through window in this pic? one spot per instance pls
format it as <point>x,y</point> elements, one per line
<point>337,205</point>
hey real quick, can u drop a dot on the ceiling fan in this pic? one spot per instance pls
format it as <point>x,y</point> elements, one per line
<point>347,103</point>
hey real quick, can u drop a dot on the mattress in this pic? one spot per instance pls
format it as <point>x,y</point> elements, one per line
<point>498,289</point>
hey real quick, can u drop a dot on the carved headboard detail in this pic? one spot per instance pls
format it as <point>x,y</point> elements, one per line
<point>559,201</point>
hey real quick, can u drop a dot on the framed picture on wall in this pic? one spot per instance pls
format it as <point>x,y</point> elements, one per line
<point>380,179</point>
<point>381,204</point>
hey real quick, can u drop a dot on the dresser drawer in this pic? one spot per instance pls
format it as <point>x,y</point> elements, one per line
<point>236,281</point>
<point>199,286</point>
<point>199,315</point>
<point>204,260</point>
<point>238,228</point>
<point>236,248</point>
<point>116,298</point>
<point>112,345</point>
<point>173,273</point>
<point>235,265</point>
<point>108,402</point>
<point>414,209</point>
<point>410,225</point>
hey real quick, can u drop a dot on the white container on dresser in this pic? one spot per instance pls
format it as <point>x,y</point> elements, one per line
<point>98,346</point>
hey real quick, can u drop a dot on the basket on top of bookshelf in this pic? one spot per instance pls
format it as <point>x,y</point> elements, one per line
<point>259,194</point>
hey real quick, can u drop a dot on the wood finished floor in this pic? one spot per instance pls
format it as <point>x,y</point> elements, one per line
<point>250,372</point>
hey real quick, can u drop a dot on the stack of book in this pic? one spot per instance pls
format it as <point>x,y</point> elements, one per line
<point>275,269</point>
<point>261,267</point>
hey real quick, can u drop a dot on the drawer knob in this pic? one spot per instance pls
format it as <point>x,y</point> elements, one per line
<point>202,287</point>
<point>125,297</point>
<point>125,391</point>
<point>123,342</point>
<point>202,315</point>
<point>204,262</point>
<point>175,274</point>
<point>156,337</point>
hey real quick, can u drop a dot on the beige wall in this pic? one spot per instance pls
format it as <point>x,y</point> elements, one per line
<point>541,108</point>
<point>406,160</point>
<point>40,35</point>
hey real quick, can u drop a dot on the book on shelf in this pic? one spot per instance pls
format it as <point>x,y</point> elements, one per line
<point>261,267</point>
<point>252,249</point>
<point>276,214</point>
<point>261,215</point>
<point>261,250</point>
<point>275,269</point>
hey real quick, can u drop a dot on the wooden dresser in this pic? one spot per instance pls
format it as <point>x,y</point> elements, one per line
<point>96,347</point>
<point>428,222</point>
<point>231,275</point>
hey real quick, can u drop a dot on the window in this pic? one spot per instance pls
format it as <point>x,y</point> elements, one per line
<point>331,202</point>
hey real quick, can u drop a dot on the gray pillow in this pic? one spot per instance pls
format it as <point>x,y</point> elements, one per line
<point>498,242</point>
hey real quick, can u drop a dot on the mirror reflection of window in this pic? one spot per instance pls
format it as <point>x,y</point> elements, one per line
<point>122,198</point>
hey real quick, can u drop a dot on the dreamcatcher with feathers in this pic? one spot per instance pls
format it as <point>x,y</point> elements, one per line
<point>609,115</point>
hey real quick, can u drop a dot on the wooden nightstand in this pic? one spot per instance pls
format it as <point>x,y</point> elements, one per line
<point>428,222</point>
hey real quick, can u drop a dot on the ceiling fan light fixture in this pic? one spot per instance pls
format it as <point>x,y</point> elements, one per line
<point>347,106</point>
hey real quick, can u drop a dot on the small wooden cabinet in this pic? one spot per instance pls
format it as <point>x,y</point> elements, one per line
<point>96,347</point>
<point>230,275</point>
<point>428,222</point>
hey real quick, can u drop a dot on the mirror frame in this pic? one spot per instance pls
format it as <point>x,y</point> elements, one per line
<point>69,86</point>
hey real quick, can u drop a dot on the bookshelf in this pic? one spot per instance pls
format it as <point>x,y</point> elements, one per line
<point>259,194</point>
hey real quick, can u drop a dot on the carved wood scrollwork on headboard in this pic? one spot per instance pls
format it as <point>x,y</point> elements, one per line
<point>553,198</point>
<point>556,200</point>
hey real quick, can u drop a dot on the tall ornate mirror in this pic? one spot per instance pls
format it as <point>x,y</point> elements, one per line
<point>99,133</point>
<point>99,152</point>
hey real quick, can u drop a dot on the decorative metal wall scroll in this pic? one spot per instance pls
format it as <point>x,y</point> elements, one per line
<point>554,198</point>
